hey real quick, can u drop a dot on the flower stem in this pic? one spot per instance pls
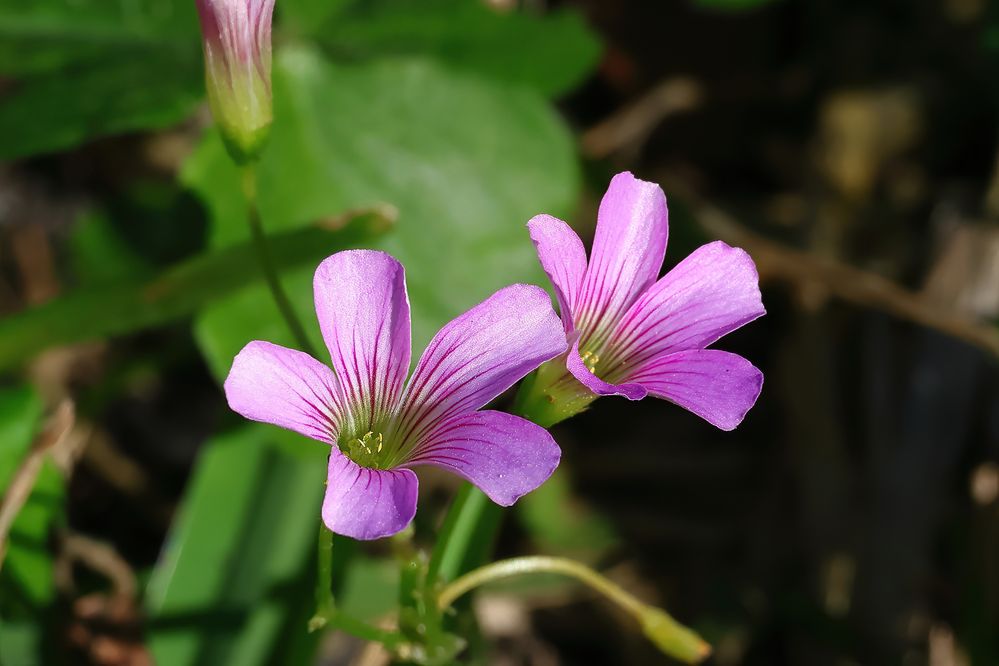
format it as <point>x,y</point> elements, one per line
<point>670,636</point>
<point>325,606</point>
<point>267,266</point>
<point>327,615</point>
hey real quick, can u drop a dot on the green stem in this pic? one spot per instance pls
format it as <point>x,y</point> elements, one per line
<point>670,636</point>
<point>325,606</point>
<point>267,265</point>
<point>327,615</point>
<point>454,537</point>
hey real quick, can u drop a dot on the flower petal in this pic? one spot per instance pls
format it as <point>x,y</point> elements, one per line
<point>285,387</point>
<point>628,251</point>
<point>478,355</point>
<point>579,370</point>
<point>563,258</point>
<point>363,312</point>
<point>504,455</point>
<point>718,386</point>
<point>712,292</point>
<point>367,503</point>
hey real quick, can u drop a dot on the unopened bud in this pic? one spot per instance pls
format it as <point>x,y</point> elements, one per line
<point>237,45</point>
<point>672,637</point>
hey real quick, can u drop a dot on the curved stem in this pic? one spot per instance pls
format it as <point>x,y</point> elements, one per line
<point>267,265</point>
<point>670,636</point>
<point>519,566</point>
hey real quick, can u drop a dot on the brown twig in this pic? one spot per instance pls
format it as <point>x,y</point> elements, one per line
<point>99,557</point>
<point>631,126</point>
<point>778,262</point>
<point>55,433</point>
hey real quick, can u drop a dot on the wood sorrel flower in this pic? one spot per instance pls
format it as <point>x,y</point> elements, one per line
<point>380,428</point>
<point>634,336</point>
<point>237,45</point>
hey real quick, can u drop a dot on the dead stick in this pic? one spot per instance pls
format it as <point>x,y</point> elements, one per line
<point>777,261</point>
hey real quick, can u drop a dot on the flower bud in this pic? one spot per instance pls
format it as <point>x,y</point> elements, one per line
<point>673,638</point>
<point>237,46</point>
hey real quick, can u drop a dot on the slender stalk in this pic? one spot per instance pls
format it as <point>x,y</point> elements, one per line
<point>267,265</point>
<point>670,636</point>
<point>519,566</point>
<point>325,605</point>
<point>327,615</point>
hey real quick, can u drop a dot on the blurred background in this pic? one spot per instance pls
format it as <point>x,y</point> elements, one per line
<point>849,146</point>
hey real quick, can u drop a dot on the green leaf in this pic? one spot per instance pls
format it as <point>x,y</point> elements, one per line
<point>236,567</point>
<point>466,163</point>
<point>550,52</point>
<point>20,411</point>
<point>562,524</point>
<point>46,35</point>
<point>89,68</point>
<point>26,580</point>
<point>20,644</point>
<point>121,307</point>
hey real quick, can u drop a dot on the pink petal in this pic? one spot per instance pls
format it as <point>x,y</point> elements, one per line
<point>717,386</point>
<point>563,258</point>
<point>479,355</point>
<point>287,388</point>
<point>709,294</point>
<point>628,251</point>
<point>363,312</point>
<point>365,503</point>
<point>579,370</point>
<point>504,455</point>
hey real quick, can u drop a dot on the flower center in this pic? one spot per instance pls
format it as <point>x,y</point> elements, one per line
<point>590,360</point>
<point>366,450</point>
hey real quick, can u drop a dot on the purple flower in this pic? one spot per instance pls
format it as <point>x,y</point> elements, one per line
<point>635,336</point>
<point>379,426</point>
<point>237,46</point>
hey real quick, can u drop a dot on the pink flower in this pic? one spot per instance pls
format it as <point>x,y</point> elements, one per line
<point>380,427</point>
<point>237,46</point>
<point>635,336</point>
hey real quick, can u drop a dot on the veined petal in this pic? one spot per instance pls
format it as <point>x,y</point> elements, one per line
<point>718,386</point>
<point>712,292</point>
<point>580,371</point>
<point>478,355</point>
<point>504,455</point>
<point>365,503</point>
<point>628,251</point>
<point>285,387</point>
<point>363,312</point>
<point>563,258</point>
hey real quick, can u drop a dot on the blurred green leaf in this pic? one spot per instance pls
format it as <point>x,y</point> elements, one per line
<point>551,52</point>
<point>371,588</point>
<point>20,411</point>
<point>19,644</point>
<point>99,254</point>
<point>121,94</point>
<point>466,162</point>
<point>236,564</point>
<point>562,524</point>
<point>47,35</point>
<point>26,582</point>
<point>121,307</point>
<point>89,68</point>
